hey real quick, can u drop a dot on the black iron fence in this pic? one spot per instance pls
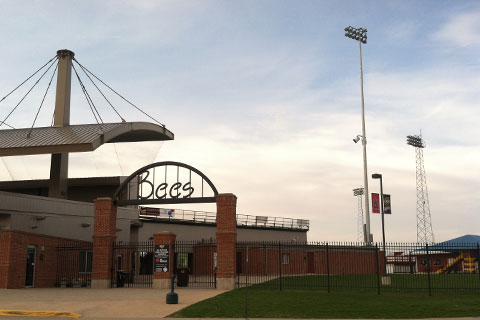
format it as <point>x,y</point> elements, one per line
<point>74,265</point>
<point>448,267</point>
<point>195,264</point>
<point>132,264</point>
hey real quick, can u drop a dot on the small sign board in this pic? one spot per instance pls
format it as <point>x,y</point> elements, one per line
<point>162,258</point>
<point>387,204</point>
<point>375,203</point>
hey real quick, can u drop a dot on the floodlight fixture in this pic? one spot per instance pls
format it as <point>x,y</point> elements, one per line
<point>357,138</point>
<point>416,141</point>
<point>359,34</point>
<point>358,191</point>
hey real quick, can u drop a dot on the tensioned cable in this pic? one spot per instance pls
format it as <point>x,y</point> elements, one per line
<point>9,125</point>
<point>84,90</point>
<point>118,94</point>
<point>87,95</point>
<point>123,120</point>
<point>89,101</point>
<point>27,93</point>
<point>41,104</point>
<point>27,79</point>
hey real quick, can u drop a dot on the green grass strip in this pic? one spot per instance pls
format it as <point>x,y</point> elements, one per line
<point>264,303</point>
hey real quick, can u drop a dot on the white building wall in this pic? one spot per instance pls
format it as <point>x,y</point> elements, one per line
<point>56,217</point>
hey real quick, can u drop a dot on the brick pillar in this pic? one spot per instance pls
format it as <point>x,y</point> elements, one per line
<point>5,259</point>
<point>164,249</point>
<point>226,240</point>
<point>104,236</point>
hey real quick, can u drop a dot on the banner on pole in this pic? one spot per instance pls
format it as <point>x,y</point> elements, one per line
<point>375,203</point>
<point>387,204</point>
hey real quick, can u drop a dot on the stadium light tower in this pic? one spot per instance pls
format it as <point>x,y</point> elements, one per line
<point>424,219</point>
<point>361,234</point>
<point>360,35</point>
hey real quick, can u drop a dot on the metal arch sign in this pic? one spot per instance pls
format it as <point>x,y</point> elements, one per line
<point>165,182</point>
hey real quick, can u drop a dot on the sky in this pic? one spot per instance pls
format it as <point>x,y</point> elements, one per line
<point>264,98</point>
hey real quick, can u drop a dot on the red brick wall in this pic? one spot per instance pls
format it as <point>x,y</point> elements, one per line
<point>13,258</point>
<point>266,261</point>
<point>443,257</point>
<point>203,262</point>
<point>104,236</point>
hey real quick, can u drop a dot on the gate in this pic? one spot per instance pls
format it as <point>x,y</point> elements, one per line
<point>195,264</point>
<point>74,265</point>
<point>132,264</point>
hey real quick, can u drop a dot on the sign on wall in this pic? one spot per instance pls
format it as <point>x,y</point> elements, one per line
<point>165,182</point>
<point>162,258</point>
<point>375,203</point>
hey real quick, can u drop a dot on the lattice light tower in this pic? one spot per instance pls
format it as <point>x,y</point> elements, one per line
<point>358,192</point>
<point>424,219</point>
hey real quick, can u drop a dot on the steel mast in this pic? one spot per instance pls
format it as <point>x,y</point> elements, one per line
<point>424,218</point>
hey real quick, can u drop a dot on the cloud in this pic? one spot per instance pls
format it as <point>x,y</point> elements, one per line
<point>266,107</point>
<point>461,30</point>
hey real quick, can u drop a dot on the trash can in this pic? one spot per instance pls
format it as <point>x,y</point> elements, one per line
<point>121,279</point>
<point>182,277</point>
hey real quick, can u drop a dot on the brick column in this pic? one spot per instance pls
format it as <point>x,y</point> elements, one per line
<point>104,236</point>
<point>165,242</point>
<point>226,240</point>
<point>5,259</point>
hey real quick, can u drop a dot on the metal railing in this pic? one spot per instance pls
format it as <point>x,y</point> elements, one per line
<point>202,217</point>
<point>336,266</point>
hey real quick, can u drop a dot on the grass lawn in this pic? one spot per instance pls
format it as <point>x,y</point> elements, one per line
<point>264,303</point>
<point>369,282</point>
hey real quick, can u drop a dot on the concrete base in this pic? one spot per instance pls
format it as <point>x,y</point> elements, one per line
<point>161,283</point>
<point>225,283</point>
<point>101,284</point>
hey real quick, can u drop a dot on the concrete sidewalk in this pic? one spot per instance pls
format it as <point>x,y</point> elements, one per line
<point>119,303</point>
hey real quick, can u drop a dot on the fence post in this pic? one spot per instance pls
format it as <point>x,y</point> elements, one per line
<point>328,270</point>
<point>246,288</point>
<point>280,260</point>
<point>265,258</point>
<point>478,259</point>
<point>428,272</point>
<point>377,267</point>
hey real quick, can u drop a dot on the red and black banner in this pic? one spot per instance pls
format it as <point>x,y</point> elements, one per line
<point>376,203</point>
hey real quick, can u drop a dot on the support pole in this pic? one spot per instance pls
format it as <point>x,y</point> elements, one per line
<point>364,145</point>
<point>59,161</point>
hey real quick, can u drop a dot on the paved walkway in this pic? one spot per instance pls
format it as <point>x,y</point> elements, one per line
<point>120,303</point>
